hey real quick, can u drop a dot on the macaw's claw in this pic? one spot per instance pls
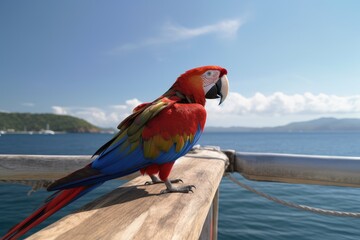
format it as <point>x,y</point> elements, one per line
<point>152,182</point>
<point>177,180</point>
<point>183,189</point>
<point>156,180</point>
<point>149,183</point>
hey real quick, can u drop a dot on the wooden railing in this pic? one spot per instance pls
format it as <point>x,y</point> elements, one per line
<point>135,210</point>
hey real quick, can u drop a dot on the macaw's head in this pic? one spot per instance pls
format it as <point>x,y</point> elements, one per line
<point>203,82</point>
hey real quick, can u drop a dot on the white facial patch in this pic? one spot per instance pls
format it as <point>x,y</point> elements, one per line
<point>210,77</point>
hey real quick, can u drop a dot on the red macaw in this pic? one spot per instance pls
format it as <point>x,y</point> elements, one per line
<point>149,140</point>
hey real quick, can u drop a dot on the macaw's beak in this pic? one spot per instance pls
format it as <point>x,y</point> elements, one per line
<point>219,90</point>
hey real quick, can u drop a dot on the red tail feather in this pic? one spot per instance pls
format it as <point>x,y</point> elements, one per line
<point>63,198</point>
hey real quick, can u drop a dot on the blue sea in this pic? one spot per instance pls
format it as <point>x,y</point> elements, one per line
<point>243,215</point>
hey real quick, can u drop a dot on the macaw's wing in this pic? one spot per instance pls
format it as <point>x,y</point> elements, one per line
<point>162,132</point>
<point>153,110</point>
<point>158,133</point>
<point>173,132</point>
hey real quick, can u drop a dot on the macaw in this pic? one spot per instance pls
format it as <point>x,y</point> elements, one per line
<point>149,140</point>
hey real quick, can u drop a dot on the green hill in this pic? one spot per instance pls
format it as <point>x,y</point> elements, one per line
<point>37,122</point>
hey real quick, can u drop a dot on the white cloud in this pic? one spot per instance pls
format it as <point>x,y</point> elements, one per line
<point>279,103</point>
<point>227,28</point>
<point>59,110</point>
<point>174,33</point>
<point>279,108</point>
<point>258,110</point>
<point>28,104</point>
<point>108,117</point>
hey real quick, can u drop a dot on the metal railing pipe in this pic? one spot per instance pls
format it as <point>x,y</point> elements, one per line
<point>293,168</point>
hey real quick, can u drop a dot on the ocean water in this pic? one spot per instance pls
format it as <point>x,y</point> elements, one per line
<point>243,215</point>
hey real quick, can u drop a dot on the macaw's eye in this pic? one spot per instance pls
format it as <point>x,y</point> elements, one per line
<point>208,73</point>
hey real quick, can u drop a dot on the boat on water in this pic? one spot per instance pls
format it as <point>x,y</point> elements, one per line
<point>47,131</point>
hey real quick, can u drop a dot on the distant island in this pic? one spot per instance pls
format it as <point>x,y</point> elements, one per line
<point>317,125</point>
<point>39,123</point>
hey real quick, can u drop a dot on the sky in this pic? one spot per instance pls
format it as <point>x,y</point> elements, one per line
<point>287,60</point>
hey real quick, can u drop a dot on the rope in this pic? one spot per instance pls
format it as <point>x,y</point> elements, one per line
<point>294,205</point>
<point>34,184</point>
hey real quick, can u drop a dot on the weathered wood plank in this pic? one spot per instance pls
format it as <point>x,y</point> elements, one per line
<point>40,167</point>
<point>135,211</point>
<point>40,170</point>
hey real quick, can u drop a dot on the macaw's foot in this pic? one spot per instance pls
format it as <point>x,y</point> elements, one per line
<point>171,189</point>
<point>156,180</point>
<point>183,189</point>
